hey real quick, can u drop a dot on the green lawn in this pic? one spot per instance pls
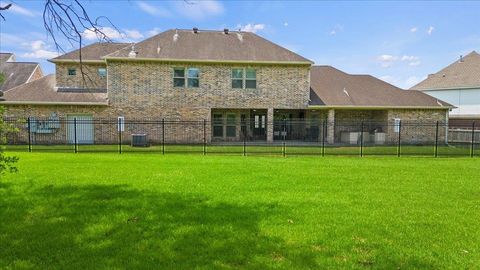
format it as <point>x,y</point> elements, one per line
<point>146,211</point>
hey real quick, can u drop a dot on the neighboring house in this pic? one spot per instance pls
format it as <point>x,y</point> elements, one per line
<point>238,81</point>
<point>17,73</point>
<point>459,85</point>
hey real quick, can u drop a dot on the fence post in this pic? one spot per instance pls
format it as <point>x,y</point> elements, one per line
<point>204,137</point>
<point>29,135</point>
<point>436,140</point>
<point>472,146</point>
<point>361,141</point>
<point>119,136</point>
<point>399,138</point>
<point>324,130</point>
<point>75,133</point>
<point>163,136</point>
<point>245,140</point>
<point>284,136</point>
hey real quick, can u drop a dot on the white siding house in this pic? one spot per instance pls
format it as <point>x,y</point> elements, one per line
<point>459,85</point>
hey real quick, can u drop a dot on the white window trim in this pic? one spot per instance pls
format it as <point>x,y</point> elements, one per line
<point>244,77</point>
<point>186,77</point>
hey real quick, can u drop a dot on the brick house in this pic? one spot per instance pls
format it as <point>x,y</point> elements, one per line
<point>17,73</point>
<point>239,82</point>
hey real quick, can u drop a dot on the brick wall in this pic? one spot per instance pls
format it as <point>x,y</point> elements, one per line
<point>92,79</point>
<point>145,89</point>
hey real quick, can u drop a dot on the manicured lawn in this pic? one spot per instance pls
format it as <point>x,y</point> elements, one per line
<point>146,211</point>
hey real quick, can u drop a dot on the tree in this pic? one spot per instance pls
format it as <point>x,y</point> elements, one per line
<point>7,163</point>
<point>68,20</point>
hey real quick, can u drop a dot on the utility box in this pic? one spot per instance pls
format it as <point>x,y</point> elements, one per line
<point>139,140</point>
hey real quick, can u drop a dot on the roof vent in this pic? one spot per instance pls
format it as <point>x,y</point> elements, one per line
<point>461,58</point>
<point>175,37</point>
<point>132,53</point>
<point>443,75</point>
<point>240,37</point>
<point>225,31</point>
<point>195,30</point>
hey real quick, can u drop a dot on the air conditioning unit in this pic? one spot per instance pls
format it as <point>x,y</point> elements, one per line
<point>139,140</point>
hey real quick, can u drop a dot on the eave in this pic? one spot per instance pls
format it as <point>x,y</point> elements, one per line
<point>307,63</point>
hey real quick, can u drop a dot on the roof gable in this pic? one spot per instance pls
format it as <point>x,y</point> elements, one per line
<point>16,73</point>
<point>185,45</point>
<point>459,74</point>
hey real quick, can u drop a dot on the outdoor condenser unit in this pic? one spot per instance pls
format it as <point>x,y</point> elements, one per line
<point>139,140</point>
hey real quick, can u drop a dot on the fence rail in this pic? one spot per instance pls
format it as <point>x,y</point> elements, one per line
<point>246,137</point>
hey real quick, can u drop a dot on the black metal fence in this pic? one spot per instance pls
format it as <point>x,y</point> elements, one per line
<point>246,137</point>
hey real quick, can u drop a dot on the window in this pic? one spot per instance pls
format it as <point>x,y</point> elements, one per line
<point>193,77</point>
<point>237,78</point>
<point>244,78</point>
<point>72,72</point>
<point>179,77</point>
<point>102,72</point>
<point>217,125</point>
<point>397,123</point>
<point>250,78</point>
<point>231,125</point>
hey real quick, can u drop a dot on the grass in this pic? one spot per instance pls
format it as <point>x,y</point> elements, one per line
<point>144,211</point>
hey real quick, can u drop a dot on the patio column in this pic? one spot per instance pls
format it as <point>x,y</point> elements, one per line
<point>269,125</point>
<point>331,126</point>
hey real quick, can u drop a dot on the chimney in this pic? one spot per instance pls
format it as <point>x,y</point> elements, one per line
<point>225,31</point>
<point>132,53</point>
<point>461,58</point>
<point>195,30</point>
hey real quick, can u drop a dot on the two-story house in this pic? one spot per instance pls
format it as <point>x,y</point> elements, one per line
<point>459,85</point>
<point>239,82</point>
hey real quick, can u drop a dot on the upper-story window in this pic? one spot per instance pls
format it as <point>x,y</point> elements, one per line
<point>72,72</point>
<point>244,78</point>
<point>190,75</point>
<point>102,72</point>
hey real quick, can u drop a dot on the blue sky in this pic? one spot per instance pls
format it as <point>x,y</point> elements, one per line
<point>400,42</point>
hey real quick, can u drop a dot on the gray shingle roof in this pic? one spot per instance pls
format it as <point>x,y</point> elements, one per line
<point>4,57</point>
<point>460,74</point>
<point>43,90</point>
<point>332,87</point>
<point>16,73</point>
<point>210,46</point>
<point>92,52</point>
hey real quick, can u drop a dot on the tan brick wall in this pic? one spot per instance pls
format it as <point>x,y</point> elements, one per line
<point>146,89</point>
<point>92,79</point>
<point>418,126</point>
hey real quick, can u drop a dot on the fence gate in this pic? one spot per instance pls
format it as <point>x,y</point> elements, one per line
<point>84,127</point>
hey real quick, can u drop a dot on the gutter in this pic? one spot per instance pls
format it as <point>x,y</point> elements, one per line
<point>352,107</point>
<point>76,61</point>
<point>207,61</point>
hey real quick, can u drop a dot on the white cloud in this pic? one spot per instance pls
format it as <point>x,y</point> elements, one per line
<point>387,60</point>
<point>126,35</point>
<point>153,10</point>
<point>133,34</point>
<point>19,9</point>
<point>415,63</point>
<point>430,30</point>
<point>285,24</point>
<point>198,10</point>
<point>336,29</point>
<point>411,81</point>
<point>254,28</point>
<point>39,49</point>
<point>153,32</point>
<point>414,29</point>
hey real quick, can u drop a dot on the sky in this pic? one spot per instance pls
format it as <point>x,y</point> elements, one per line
<point>399,42</point>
